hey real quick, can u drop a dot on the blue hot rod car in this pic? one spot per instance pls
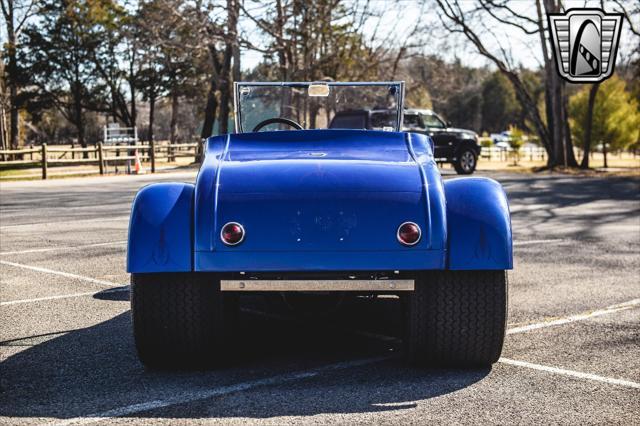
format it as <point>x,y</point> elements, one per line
<point>304,209</point>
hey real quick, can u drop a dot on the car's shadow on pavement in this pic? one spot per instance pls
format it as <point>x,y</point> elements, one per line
<point>95,369</point>
<point>580,208</point>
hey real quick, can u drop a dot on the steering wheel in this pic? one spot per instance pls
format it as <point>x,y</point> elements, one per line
<point>277,120</point>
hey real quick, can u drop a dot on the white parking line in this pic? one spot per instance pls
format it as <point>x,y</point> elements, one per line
<point>62,296</point>
<point>573,318</point>
<point>535,242</point>
<point>42,250</point>
<point>572,373</point>
<point>202,394</point>
<point>60,273</point>
<point>108,219</point>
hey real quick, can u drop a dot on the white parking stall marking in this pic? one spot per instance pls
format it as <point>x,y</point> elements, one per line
<point>43,250</point>
<point>536,242</point>
<point>571,373</point>
<point>573,318</point>
<point>108,219</point>
<point>62,296</point>
<point>60,273</point>
<point>201,394</point>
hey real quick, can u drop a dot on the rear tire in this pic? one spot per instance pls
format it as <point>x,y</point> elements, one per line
<point>181,320</point>
<point>456,318</point>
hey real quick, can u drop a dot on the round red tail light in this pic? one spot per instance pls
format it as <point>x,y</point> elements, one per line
<point>232,234</point>
<point>409,234</point>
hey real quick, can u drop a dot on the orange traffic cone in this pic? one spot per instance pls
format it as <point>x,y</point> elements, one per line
<point>138,169</point>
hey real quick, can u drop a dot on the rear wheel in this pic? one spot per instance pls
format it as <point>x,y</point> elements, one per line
<point>181,320</point>
<point>466,162</point>
<point>456,318</point>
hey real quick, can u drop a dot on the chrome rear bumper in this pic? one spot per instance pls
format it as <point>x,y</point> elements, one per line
<point>316,285</point>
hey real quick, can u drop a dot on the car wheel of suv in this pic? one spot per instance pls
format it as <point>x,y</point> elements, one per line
<point>466,162</point>
<point>180,320</point>
<point>456,318</point>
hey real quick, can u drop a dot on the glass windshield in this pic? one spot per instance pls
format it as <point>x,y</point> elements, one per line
<point>320,105</point>
<point>431,120</point>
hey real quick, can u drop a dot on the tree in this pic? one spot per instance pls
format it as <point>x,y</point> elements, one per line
<point>616,116</point>
<point>16,13</point>
<point>58,58</point>
<point>474,21</point>
<point>500,107</point>
<point>115,59</point>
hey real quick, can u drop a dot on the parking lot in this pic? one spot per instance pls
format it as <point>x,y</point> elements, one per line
<point>572,354</point>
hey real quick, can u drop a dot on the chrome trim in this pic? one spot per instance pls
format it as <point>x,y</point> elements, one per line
<point>317,285</point>
<point>232,223</point>
<point>407,244</point>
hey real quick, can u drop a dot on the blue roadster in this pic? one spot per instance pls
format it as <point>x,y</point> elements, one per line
<point>314,208</point>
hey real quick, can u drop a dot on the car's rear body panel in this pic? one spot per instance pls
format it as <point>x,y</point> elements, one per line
<point>320,200</point>
<point>317,200</point>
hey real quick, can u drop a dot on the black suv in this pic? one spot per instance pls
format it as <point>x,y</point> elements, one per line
<point>456,146</point>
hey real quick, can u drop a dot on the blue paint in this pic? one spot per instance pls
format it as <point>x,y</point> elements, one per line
<point>479,224</point>
<point>383,260</point>
<point>320,200</point>
<point>160,229</point>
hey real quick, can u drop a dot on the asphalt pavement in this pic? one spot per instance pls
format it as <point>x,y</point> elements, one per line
<point>572,353</point>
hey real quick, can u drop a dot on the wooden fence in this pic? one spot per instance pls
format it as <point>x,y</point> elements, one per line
<point>100,155</point>
<point>495,153</point>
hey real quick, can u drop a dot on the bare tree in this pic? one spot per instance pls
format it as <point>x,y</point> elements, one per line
<point>552,130</point>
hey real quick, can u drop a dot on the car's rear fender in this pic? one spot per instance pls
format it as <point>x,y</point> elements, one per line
<point>161,229</point>
<point>478,225</point>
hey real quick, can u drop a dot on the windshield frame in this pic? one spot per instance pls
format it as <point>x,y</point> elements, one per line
<point>237,113</point>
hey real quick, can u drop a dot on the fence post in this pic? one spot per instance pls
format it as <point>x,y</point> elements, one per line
<point>44,160</point>
<point>100,158</point>
<point>152,155</point>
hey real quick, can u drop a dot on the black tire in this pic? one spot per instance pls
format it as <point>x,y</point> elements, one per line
<point>466,161</point>
<point>181,320</point>
<point>456,318</point>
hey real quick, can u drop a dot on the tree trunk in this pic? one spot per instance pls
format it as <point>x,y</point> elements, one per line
<point>586,146</point>
<point>174,118</point>
<point>12,71</point>
<point>212,100</point>
<point>282,54</point>
<point>548,72</point>
<point>152,111</point>
<point>79,122</point>
<point>225,91</point>
<point>604,152</point>
<point>132,88</point>
<point>557,123</point>
<point>234,13</point>
<point>210,110</point>
<point>231,51</point>
<point>571,156</point>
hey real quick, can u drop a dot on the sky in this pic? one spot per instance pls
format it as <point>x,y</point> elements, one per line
<point>525,50</point>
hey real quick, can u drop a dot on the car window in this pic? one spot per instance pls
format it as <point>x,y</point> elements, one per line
<point>412,121</point>
<point>383,120</point>
<point>349,121</point>
<point>431,120</point>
